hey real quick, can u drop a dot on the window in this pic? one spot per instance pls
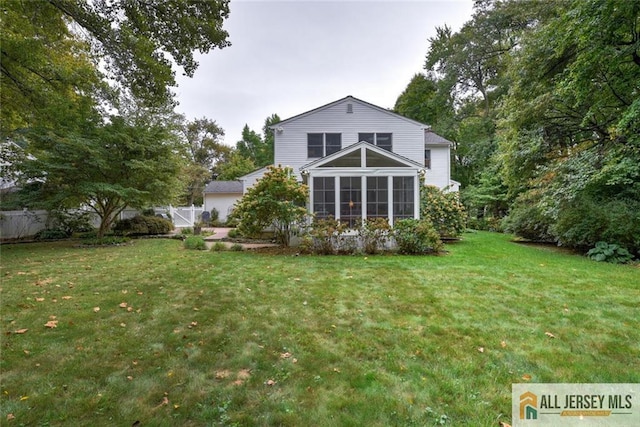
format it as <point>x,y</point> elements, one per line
<point>324,197</point>
<point>427,158</point>
<point>402,197</point>
<point>350,199</point>
<point>377,197</point>
<point>382,140</point>
<point>323,144</point>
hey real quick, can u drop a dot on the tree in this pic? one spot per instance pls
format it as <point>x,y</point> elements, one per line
<point>138,40</point>
<point>277,200</point>
<point>252,147</point>
<point>567,141</point>
<point>269,139</point>
<point>234,167</point>
<point>203,150</point>
<point>51,51</point>
<point>106,167</point>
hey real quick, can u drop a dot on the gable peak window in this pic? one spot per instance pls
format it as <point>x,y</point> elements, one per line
<point>323,144</point>
<point>382,140</point>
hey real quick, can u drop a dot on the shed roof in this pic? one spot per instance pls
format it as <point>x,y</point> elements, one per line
<point>223,187</point>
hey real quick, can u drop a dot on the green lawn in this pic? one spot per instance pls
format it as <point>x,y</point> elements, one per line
<point>155,333</point>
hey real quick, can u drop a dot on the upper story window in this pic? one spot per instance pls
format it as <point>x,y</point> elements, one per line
<point>323,144</point>
<point>427,158</point>
<point>382,140</point>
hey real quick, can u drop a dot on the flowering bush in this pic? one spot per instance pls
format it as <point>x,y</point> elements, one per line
<point>444,210</point>
<point>277,200</point>
<point>373,233</point>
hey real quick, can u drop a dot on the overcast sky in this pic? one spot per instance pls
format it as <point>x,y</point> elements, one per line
<point>289,57</point>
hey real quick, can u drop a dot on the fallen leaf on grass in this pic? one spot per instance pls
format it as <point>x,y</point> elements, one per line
<point>20,331</point>
<point>503,424</point>
<point>39,299</point>
<point>51,324</point>
<point>10,417</point>
<point>192,325</point>
<point>222,374</point>
<point>124,325</point>
<point>66,297</point>
<point>96,309</point>
<point>481,349</point>
<point>23,398</point>
<point>270,382</point>
<point>123,305</point>
<point>503,344</point>
<point>129,309</point>
<point>244,374</point>
<point>526,377</point>
<point>285,355</point>
<point>549,334</point>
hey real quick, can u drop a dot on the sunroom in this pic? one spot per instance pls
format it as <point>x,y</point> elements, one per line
<point>363,181</point>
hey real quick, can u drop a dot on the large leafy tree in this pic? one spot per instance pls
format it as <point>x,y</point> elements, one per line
<point>570,134</point>
<point>203,148</point>
<point>85,92</point>
<point>106,167</point>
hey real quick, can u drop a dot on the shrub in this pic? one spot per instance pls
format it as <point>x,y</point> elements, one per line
<point>143,225</point>
<point>195,242</point>
<point>325,235</point>
<point>277,200</point>
<point>444,210</point>
<point>214,217</point>
<point>74,221</point>
<point>234,233</point>
<point>588,220</point>
<point>52,234</point>
<point>529,219</point>
<point>612,253</point>
<point>237,247</point>
<point>414,236</point>
<point>218,247</point>
<point>373,234</point>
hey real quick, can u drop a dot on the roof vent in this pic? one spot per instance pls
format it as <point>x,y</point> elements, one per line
<point>349,108</point>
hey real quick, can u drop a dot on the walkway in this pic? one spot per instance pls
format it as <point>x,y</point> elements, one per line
<point>220,233</point>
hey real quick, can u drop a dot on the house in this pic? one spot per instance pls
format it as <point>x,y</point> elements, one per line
<point>360,160</point>
<point>222,195</point>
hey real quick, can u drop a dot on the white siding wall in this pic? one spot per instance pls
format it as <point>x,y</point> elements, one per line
<point>249,180</point>
<point>291,143</point>
<point>223,202</point>
<point>439,173</point>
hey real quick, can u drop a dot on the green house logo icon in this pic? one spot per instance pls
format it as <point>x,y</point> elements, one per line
<point>528,406</point>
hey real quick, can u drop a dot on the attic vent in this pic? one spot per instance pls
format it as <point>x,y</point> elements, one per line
<point>349,108</point>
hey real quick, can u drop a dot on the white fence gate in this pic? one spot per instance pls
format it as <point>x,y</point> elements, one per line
<point>185,216</point>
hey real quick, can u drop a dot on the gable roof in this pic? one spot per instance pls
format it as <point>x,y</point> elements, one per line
<point>223,187</point>
<point>351,99</point>
<point>432,138</point>
<point>350,149</point>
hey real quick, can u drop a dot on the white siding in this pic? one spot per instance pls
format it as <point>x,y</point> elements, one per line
<point>291,142</point>
<point>223,202</point>
<point>439,173</point>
